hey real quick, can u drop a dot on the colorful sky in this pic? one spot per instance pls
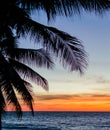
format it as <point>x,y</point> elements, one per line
<point>71,91</point>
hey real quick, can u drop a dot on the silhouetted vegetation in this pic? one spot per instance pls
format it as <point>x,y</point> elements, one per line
<point>15,62</point>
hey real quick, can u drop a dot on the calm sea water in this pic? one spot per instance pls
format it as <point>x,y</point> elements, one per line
<point>58,121</point>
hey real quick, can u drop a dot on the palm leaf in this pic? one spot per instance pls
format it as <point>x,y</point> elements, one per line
<point>2,102</point>
<point>71,51</point>
<point>6,90</point>
<point>11,97</point>
<point>18,84</point>
<point>29,73</point>
<point>38,57</point>
<point>28,85</point>
<point>67,47</point>
<point>65,7</point>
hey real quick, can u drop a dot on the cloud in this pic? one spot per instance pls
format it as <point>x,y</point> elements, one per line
<point>69,97</point>
<point>100,95</point>
<point>94,81</point>
<point>53,97</point>
<point>102,80</point>
<point>63,81</point>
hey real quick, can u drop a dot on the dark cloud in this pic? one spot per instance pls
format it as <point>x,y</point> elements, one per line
<point>100,95</point>
<point>67,97</point>
<point>53,97</point>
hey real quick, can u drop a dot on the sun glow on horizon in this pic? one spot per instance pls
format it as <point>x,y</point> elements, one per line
<point>69,103</point>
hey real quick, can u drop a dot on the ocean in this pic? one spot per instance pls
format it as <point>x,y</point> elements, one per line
<point>57,121</point>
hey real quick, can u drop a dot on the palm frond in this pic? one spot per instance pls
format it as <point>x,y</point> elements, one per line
<point>38,57</point>
<point>29,73</point>
<point>18,84</point>
<point>28,85</point>
<point>70,51</point>
<point>2,102</point>
<point>7,39</point>
<point>65,7</point>
<point>67,47</point>
<point>7,91</point>
<point>11,97</point>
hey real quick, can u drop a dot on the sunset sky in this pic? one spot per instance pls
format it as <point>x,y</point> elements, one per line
<point>71,91</point>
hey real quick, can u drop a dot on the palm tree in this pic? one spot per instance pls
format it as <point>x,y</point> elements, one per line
<point>14,73</point>
<point>16,22</point>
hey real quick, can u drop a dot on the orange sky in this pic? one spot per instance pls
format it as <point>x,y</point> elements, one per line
<point>71,103</point>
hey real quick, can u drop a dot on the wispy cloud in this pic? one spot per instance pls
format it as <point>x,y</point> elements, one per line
<point>69,97</point>
<point>84,80</point>
<point>102,80</point>
<point>53,97</point>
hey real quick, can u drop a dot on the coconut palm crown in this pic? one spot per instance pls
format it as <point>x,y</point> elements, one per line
<point>16,22</point>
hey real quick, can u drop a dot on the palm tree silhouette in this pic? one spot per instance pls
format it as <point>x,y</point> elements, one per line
<point>13,66</point>
<point>16,22</point>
